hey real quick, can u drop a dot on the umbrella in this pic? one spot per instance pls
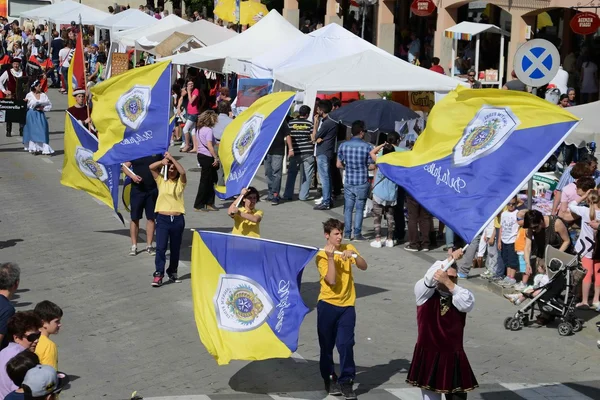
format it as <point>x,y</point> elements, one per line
<point>376,114</point>
<point>250,11</point>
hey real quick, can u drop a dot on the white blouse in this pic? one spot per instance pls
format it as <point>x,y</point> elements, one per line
<point>32,102</point>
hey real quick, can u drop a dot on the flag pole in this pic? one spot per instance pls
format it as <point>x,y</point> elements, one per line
<point>80,38</point>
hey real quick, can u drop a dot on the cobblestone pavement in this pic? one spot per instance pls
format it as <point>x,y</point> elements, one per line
<point>120,335</point>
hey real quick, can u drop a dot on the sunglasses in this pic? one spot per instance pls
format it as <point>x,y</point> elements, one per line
<point>32,337</point>
<point>512,204</point>
<point>471,76</point>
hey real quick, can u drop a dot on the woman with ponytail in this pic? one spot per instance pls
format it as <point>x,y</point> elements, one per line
<point>585,246</point>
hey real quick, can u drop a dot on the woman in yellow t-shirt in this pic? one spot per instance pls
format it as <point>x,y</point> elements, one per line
<point>169,212</point>
<point>246,219</point>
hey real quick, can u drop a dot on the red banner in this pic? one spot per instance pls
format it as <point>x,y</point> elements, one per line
<point>585,23</point>
<point>422,8</point>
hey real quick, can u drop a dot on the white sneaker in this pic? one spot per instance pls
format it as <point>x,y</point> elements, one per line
<point>376,244</point>
<point>319,201</point>
<point>519,287</point>
<point>133,251</point>
<point>389,243</point>
<point>511,297</point>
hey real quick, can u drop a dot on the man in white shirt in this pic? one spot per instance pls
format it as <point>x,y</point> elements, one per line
<point>64,59</point>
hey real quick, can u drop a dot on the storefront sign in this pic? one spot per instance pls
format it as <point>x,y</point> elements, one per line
<point>13,110</point>
<point>585,23</point>
<point>422,8</point>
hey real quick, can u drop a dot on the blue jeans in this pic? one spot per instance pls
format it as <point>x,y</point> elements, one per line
<point>168,228</point>
<point>273,165</point>
<point>65,76</point>
<point>335,327</point>
<point>324,177</point>
<point>355,197</point>
<point>449,237</point>
<point>306,165</point>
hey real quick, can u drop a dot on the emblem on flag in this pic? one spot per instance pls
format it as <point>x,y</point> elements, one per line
<point>486,133</point>
<point>87,165</point>
<point>241,304</point>
<point>246,137</point>
<point>133,105</point>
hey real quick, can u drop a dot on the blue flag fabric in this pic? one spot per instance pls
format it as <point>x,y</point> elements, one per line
<point>246,294</point>
<point>478,150</point>
<point>131,113</point>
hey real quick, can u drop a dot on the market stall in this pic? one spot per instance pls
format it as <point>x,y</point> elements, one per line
<point>83,14</point>
<point>328,43</point>
<point>46,12</point>
<point>368,70</point>
<point>225,57</point>
<point>202,32</point>
<point>127,38</point>
<point>472,30</point>
<point>588,129</point>
<point>124,20</point>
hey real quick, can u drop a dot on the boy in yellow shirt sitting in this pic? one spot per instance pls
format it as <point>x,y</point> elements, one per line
<point>46,349</point>
<point>246,220</point>
<point>336,316</point>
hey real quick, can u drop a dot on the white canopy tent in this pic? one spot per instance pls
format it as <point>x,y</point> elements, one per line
<point>128,19</point>
<point>127,38</point>
<point>271,31</point>
<point>46,12</point>
<point>588,129</point>
<point>325,44</point>
<point>205,32</point>
<point>468,31</point>
<point>369,71</point>
<point>85,14</point>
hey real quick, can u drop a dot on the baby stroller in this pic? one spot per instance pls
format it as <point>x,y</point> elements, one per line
<point>565,273</point>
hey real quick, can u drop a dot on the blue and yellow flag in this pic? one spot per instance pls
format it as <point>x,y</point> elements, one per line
<point>131,113</point>
<point>477,151</point>
<point>81,172</point>
<point>247,139</point>
<point>246,294</point>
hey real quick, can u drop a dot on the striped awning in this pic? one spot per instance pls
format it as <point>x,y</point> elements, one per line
<point>466,30</point>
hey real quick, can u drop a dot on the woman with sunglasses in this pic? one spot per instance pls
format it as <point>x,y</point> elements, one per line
<point>247,218</point>
<point>475,84</point>
<point>24,334</point>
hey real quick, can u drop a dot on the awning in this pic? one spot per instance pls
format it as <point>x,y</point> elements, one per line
<point>466,30</point>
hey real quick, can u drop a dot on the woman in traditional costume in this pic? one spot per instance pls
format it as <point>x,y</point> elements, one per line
<point>440,365</point>
<point>36,135</point>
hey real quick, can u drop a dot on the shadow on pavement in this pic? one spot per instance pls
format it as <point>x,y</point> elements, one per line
<point>310,292</point>
<point>288,376</point>
<point>9,243</point>
<point>546,391</point>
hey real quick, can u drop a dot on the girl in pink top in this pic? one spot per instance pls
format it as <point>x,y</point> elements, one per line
<point>191,115</point>
<point>208,160</point>
<point>573,192</point>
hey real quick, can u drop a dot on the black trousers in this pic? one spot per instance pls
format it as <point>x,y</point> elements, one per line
<point>399,218</point>
<point>9,128</point>
<point>208,178</point>
<point>336,177</point>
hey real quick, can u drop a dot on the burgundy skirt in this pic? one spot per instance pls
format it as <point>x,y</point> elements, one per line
<point>447,372</point>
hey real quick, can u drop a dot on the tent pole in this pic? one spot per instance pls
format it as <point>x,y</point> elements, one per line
<point>454,49</point>
<point>501,66</point>
<point>477,57</point>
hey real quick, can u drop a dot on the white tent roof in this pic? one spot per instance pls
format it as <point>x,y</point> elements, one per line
<point>128,19</point>
<point>271,31</point>
<point>588,129</point>
<point>206,32</point>
<point>466,30</point>
<point>128,37</point>
<point>46,12</point>
<point>325,44</point>
<point>86,14</point>
<point>366,71</point>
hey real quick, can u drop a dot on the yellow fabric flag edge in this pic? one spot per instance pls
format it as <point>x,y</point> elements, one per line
<point>458,108</point>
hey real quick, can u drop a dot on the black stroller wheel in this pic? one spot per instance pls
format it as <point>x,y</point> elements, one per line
<point>577,325</point>
<point>515,324</point>
<point>565,329</point>
<point>508,322</point>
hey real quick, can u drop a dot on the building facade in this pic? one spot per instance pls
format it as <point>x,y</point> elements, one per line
<point>392,19</point>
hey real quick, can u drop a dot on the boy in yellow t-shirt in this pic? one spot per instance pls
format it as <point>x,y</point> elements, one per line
<point>46,349</point>
<point>246,220</point>
<point>336,316</point>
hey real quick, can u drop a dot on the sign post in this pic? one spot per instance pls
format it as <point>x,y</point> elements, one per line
<point>585,23</point>
<point>422,8</point>
<point>536,62</point>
